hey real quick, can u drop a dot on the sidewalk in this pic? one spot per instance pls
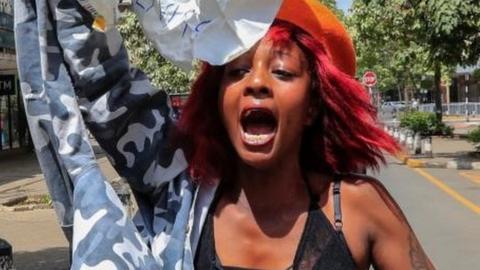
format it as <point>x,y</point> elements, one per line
<point>462,127</point>
<point>450,153</point>
<point>37,240</point>
<point>22,178</point>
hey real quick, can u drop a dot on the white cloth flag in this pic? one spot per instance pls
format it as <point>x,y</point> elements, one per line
<point>215,31</point>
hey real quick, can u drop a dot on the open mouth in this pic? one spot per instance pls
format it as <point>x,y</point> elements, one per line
<point>259,126</point>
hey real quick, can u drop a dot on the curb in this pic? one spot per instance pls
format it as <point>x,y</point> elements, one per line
<point>12,200</point>
<point>24,203</point>
<point>415,163</point>
<point>22,208</point>
<point>457,165</point>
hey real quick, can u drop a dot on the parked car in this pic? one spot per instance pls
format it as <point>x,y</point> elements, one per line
<point>394,106</point>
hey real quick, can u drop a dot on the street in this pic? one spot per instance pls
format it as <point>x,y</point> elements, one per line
<point>439,212</point>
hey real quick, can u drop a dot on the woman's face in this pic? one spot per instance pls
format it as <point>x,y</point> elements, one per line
<point>264,103</point>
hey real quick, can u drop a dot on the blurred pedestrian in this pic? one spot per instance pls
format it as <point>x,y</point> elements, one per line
<point>415,104</point>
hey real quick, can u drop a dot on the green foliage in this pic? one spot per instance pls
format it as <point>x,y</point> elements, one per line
<point>45,199</point>
<point>474,135</point>
<point>449,29</point>
<point>143,55</point>
<point>426,83</point>
<point>332,5</point>
<point>425,123</point>
<point>406,40</point>
<point>418,122</point>
<point>476,74</point>
<point>384,44</point>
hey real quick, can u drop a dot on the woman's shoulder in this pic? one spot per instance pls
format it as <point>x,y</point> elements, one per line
<point>365,189</point>
<point>367,196</point>
<point>361,188</point>
<point>362,196</point>
<point>369,204</point>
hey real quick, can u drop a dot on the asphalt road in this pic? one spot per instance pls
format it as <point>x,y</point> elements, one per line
<point>443,208</point>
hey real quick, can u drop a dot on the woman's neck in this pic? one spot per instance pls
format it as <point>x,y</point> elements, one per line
<point>269,188</point>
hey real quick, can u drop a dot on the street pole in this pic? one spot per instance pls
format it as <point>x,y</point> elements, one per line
<point>467,78</point>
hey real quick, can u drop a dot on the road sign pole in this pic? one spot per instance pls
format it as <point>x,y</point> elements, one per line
<point>370,92</point>
<point>370,80</point>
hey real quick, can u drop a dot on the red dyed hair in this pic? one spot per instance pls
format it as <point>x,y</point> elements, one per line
<point>345,136</point>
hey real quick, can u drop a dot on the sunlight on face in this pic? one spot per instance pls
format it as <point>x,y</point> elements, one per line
<point>264,99</point>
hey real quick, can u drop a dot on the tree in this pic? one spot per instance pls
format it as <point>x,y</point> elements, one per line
<point>449,30</point>
<point>143,54</point>
<point>385,45</point>
<point>332,5</point>
<point>432,35</point>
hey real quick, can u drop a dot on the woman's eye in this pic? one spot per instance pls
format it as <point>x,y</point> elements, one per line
<point>237,72</point>
<point>283,74</point>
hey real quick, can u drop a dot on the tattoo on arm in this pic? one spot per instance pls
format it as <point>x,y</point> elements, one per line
<point>418,258</point>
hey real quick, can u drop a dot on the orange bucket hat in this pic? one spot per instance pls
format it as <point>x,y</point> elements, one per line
<point>323,25</point>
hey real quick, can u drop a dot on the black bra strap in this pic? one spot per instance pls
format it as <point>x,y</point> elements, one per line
<point>336,203</point>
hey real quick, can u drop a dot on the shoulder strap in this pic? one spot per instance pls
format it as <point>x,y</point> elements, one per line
<point>337,209</point>
<point>336,195</point>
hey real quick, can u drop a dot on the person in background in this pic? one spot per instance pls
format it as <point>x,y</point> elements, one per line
<point>415,104</point>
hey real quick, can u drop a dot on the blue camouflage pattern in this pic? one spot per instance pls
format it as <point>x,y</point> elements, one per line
<point>73,78</point>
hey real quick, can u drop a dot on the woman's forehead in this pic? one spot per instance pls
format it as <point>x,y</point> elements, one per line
<point>273,49</point>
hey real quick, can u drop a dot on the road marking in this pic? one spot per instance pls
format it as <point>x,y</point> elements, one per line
<point>470,205</point>
<point>472,177</point>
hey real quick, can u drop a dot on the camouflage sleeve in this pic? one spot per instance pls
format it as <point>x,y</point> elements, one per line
<point>67,70</point>
<point>131,120</point>
<point>103,236</point>
<point>129,117</point>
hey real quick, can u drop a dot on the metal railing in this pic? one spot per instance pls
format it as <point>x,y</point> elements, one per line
<point>457,108</point>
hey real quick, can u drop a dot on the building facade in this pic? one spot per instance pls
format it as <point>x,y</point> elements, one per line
<point>13,124</point>
<point>465,84</point>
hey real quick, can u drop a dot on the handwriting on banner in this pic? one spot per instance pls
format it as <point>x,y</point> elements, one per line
<point>215,31</point>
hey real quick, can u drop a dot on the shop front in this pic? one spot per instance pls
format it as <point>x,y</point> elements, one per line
<point>13,124</point>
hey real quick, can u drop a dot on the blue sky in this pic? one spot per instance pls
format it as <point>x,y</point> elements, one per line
<point>344,4</point>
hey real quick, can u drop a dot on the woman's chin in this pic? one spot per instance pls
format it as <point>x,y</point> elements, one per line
<point>257,160</point>
<point>255,154</point>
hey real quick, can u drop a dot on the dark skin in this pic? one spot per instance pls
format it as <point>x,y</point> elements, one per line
<point>266,202</point>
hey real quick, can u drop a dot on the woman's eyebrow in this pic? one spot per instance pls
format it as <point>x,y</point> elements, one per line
<point>285,53</point>
<point>282,52</point>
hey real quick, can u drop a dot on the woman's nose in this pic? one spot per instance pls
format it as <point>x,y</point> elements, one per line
<point>258,85</point>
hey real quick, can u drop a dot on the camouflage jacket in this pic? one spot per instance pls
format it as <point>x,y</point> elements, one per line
<point>73,78</point>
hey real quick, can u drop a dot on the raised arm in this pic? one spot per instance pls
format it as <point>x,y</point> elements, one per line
<point>130,119</point>
<point>66,67</point>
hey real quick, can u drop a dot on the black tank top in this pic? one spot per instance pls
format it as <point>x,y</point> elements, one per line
<point>321,247</point>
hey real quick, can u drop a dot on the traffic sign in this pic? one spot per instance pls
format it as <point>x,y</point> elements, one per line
<point>370,79</point>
